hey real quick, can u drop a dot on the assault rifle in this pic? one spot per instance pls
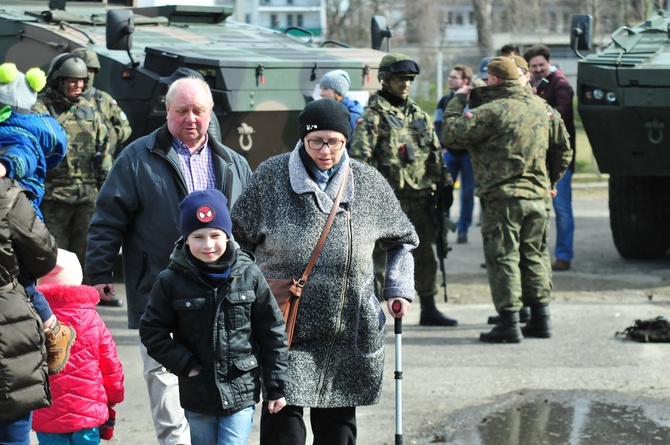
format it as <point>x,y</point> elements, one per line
<point>443,200</point>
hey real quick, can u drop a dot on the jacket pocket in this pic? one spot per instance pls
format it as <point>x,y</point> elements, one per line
<point>494,244</point>
<point>188,304</point>
<point>199,393</point>
<point>245,379</point>
<point>370,333</point>
<point>192,315</point>
<point>246,363</point>
<point>239,303</point>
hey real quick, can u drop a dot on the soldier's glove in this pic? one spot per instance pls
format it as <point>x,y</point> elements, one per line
<point>448,197</point>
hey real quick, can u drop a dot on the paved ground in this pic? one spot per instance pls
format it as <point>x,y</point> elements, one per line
<point>452,381</point>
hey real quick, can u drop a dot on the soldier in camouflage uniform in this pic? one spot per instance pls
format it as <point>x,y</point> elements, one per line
<point>508,133</point>
<point>396,137</point>
<point>72,186</point>
<point>116,121</point>
<point>558,159</point>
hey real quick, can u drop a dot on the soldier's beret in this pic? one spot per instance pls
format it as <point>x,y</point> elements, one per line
<point>503,68</point>
<point>521,63</point>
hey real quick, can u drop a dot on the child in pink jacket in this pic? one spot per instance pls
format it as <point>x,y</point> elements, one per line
<point>92,381</point>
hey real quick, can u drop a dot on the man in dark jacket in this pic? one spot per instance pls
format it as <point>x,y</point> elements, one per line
<point>551,85</point>
<point>458,160</point>
<point>138,209</point>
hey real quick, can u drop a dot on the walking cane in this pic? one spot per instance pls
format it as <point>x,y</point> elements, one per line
<point>397,307</point>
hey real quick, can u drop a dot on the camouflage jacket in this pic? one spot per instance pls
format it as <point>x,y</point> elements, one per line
<point>507,132</point>
<point>400,143</point>
<point>116,121</point>
<point>87,160</point>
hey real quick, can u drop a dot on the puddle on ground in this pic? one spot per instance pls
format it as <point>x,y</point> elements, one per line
<point>577,421</point>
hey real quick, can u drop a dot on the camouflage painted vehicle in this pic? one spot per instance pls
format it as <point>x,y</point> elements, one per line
<point>261,79</point>
<point>624,101</point>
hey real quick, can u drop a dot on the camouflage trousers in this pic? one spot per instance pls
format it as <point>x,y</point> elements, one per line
<point>68,224</point>
<point>419,211</point>
<point>516,252</point>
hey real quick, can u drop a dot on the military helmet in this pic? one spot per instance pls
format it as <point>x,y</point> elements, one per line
<point>89,57</point>
<point>67,65</point>
<point>397,63</point>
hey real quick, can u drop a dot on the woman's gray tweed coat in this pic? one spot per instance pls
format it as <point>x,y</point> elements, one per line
<point>337,355</point>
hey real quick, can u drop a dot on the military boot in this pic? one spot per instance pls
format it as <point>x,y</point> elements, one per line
<point>524,316</point>
<point>539,325</point>
<point>430,316</point>
<point>59,340</point>
<point>505,331</point>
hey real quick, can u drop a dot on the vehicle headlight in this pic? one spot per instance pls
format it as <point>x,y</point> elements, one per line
<point>597,96</point>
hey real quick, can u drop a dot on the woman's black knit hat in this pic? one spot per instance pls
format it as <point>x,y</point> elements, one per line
<point>324,114</point>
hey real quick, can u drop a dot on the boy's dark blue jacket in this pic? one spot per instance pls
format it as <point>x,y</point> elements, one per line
<point>234,333</point>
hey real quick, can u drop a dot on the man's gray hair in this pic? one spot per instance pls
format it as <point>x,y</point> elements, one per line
<point>176,85</point>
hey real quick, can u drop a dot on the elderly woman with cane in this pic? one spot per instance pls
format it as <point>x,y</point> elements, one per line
<point>336,358</point>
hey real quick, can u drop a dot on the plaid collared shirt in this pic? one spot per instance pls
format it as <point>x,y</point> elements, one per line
<point>197,167</point>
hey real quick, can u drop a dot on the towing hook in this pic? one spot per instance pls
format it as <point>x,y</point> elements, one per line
<point>245,131</point>
<point>655,127</point>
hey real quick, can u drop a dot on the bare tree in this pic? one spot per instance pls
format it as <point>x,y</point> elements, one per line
<point>516,14</point>
<point>422,26</point>
<point>482,10</point>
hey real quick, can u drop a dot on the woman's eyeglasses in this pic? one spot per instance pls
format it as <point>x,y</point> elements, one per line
<point>318,144</point>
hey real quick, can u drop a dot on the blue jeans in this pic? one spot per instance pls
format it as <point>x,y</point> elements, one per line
<point>463,165</point>
<point>17,431</point>
<point>565,222</point>
<point>224,430</point>
<point>87,436</point>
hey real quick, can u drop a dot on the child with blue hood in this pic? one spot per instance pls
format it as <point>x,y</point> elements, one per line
<point>30,144</point>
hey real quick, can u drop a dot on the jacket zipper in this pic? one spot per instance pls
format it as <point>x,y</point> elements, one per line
<point>342,302</point>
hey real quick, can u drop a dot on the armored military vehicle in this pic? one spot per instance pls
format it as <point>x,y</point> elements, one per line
<point>624,102</point>
<point>261,79</point>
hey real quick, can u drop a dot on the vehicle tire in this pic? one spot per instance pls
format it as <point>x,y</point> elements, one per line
<point>638,207</point>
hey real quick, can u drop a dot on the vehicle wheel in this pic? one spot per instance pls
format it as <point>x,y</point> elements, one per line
<point>637,211</point>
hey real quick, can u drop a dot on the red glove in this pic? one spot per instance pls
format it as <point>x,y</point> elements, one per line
<point>107,428</point>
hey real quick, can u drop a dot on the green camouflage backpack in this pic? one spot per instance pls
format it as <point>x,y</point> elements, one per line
<point>653,330</point>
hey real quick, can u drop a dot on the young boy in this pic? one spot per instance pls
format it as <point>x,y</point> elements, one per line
<point>30,144</point>
<point>212,284</point>
<point>92,381</point>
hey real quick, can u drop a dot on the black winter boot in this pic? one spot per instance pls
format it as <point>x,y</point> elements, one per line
<point>524,316</point>
<point>430,316</point>
<point>539,325</point>
<point>505,331</point>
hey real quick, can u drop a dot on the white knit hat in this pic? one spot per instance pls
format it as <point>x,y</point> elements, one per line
<point>67,271</point>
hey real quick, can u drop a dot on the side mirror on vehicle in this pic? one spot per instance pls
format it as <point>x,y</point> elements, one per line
<point>120,29</point>
<point>380,32</point>
<point>581,34</point>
